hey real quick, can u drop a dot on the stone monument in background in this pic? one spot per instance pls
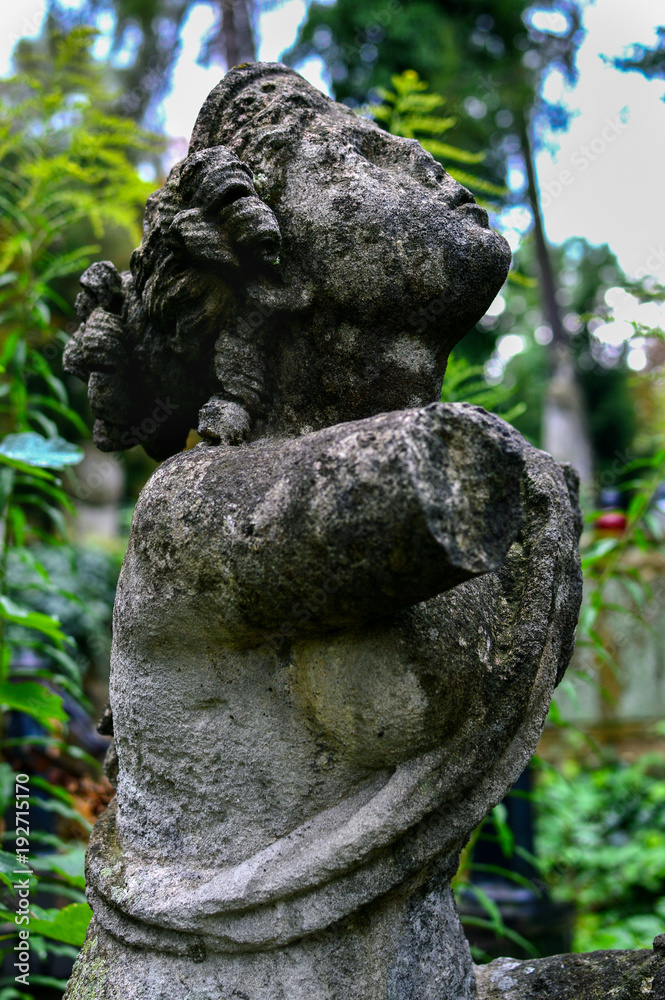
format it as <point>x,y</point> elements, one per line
<point>341,615</point>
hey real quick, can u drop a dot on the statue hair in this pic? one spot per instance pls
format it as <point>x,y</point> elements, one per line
<point>210,249</point>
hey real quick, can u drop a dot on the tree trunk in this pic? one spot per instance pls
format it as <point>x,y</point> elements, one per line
<point>565,430</point>
<point>237,39</point>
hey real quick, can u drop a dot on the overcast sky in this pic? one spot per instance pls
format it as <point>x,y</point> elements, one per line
<point>614,152</point>
<point>603,179</point>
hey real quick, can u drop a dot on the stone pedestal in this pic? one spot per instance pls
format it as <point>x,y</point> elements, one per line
<point>411,945</point>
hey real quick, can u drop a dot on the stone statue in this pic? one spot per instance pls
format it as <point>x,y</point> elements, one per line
<point>342,614</point>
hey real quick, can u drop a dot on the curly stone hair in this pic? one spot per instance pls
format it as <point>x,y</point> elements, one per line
<point>203,231</point>
<point>194,299</point>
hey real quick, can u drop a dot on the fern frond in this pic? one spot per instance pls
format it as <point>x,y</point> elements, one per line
<point>442,150</point>
<point>479,183</point>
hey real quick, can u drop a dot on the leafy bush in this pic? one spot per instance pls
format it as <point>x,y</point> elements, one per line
<point>601,844</point>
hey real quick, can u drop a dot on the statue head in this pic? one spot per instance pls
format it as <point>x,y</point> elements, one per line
<point>301,267</point>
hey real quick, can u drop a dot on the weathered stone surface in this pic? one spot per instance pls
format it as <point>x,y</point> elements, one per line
<point>342,615</point>
<point>619,975</point>
<point>422,938</point>
<point>384,263</point>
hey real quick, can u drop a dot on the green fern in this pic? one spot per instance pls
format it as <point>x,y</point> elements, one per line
<point>408,111</point>
<point>465,383</point>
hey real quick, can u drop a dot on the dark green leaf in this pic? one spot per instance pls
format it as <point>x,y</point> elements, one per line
<point>69,924</point>
<point>33,699</point>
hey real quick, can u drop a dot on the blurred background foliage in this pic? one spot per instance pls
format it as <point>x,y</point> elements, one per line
<point>601,840</point>
<point>69,191</point>
<point>570,342</point>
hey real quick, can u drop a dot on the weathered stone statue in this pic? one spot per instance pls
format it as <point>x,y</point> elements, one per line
<point>342,614</point>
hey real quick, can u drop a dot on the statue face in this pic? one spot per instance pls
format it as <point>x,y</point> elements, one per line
<point>386,235</point>
<point>399,263</point>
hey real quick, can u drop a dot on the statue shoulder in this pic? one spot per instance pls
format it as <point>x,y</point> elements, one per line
<point>179,485</point>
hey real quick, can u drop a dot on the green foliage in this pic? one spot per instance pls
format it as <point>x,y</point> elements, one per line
<point>465,383</point>
<point>65,157</point>
<point>22,690</point>
<point>472,51</point>
<point>75,585</point>
<point>496,828</point>
<point>601,844</point>
<point>68,924</point>
<point>139,80</point>
<point>602,825</point>
<point>66,172</point>
<point>432,37</point>
<point>408,111</point>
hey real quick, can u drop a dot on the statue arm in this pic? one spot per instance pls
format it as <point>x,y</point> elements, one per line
<point>346,524</point>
